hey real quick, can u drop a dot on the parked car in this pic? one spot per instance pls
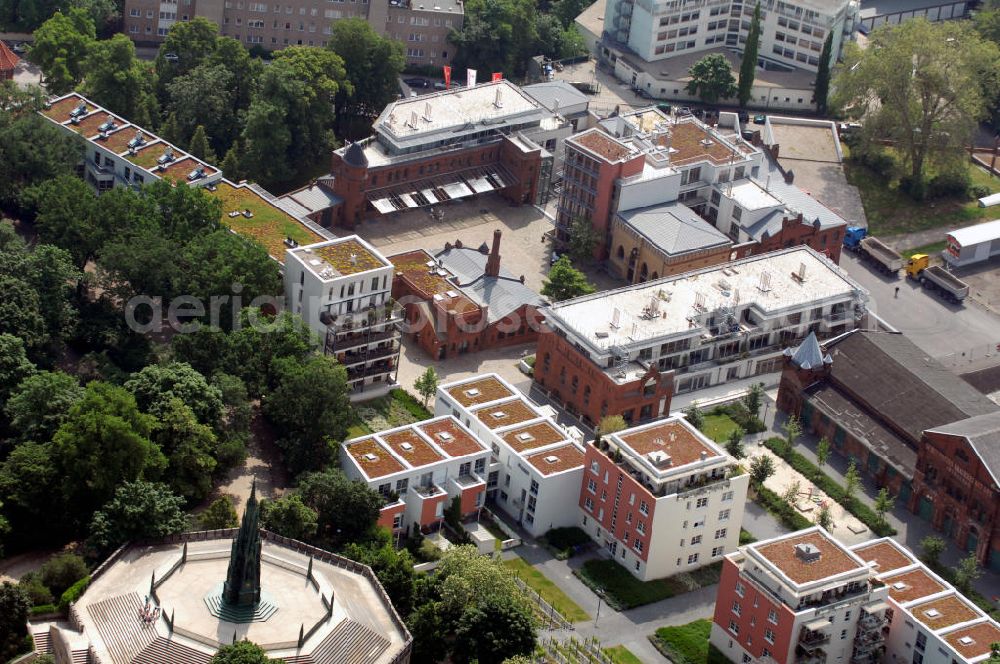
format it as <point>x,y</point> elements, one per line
<point>666,108</point>
<point>417,82</point>
<point>759,119</point>
<point>849,127</point>
<point>18,47</point>
<point>683,110</point>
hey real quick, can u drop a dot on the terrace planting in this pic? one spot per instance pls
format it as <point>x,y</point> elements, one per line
<point>147,156</point>
<point>458,444</point>
<point>427,283</point>
<point>480,391</point>
<point>269,225</point>
<point>410,446</point>
<point>348,257</point>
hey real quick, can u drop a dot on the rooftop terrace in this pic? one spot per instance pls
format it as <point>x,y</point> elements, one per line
<point>603,145</point>
<point>692,141</point>
<point>671,437</point>
<point>408,444</point>
<point>908,586</point>
<point>372,458</point>
<point>974,641</point>
<point>834,559</point>
<point>268,225</point>
<point>344,256</point>
<point>453,439</point>
<point>768,283</point>
<point>479,391</point>
<point>558,460</point>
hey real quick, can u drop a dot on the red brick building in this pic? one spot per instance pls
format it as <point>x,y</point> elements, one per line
<point>440,147</point>
<point>873,395</point>
<point>956,484</point>
<point>462,300</point>
<point>794,231</point>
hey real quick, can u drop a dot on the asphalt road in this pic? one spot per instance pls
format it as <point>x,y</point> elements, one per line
<point>938,327</point>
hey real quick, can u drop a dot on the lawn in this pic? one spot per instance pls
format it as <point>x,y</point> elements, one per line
<point>564,541</point>
<point>688,644</point>
<point>892,212</point>
<point>624,591</point>
<point>551,593</point>
<point>932,249</point>
<point>621,655</point>
<point>393,410</point>
<point>718,427</point>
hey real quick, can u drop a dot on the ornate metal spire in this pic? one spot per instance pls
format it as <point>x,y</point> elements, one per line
<point>242,587</point>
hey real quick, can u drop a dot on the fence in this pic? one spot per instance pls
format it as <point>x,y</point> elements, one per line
<point>970,355</point>
<point>551,619</point>
<point>574,651</point>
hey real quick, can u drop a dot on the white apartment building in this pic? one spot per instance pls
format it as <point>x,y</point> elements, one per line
<point>928,621</point>
<point>419,469</point>
<point>662,498</point>
<point>536,465</point>
<point>801,598</point>
<point>342,289</point>
<point>792,32</point>
<point>712,325</point>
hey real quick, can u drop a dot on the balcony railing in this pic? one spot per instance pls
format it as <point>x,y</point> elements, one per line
<point>353,359</point>
<point>810,640</point>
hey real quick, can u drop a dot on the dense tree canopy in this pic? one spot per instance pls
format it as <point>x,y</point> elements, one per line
<point>712,79</point>
<point>116,79</point>
<point>564,282</point>
<point>40,404</point>
<point>346,509</point>
<point>60,48</point>
<point>138,510</point>
<point>158,384</point>
<point>242,652</point>
<point>290,517</point>
<point>372,66</point>
<point>497,35</point>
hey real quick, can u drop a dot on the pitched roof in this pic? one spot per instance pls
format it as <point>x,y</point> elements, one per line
<point>501,295</point>
<point>674,228</point>
<point>794,199</point>
<point>8,59</point>
<point>809,355</point>
<point>898,382</point>
<point>983,434</point>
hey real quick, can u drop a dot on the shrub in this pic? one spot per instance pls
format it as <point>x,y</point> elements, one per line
<point>915,188</point>
<point>746,538</point>
<point>42,609</point>
<point>73,593</point>
<point>428,551</point>
<point>880,162</point>
<point>954,183</point>
<point>777,506</point>
<point>566,540</point>
<point>411,404</point>
<point>979,191</point>
<point>62,571</point>
<point>39,593</point>
<point>827,485</point>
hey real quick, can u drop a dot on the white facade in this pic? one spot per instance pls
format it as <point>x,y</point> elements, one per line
<point>973,244</point>
<point>342,289</point>
<point>536,465</point>
<point>792,32</point>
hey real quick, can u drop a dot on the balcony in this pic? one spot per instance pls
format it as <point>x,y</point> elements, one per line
<point>371,355</point>
<point>810,640</point>
<point>831,597</point>
<point>427,491</point>
<point>467,481</point>
<point>359,372</point>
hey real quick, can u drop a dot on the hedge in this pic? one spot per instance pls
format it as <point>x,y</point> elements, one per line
<point>779,507</point>
<point>411,403</point>
<point>827,485</point>
<point>73,593</point>
<point>43,609</point>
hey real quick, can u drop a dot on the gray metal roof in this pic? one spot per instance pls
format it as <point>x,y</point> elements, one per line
<point>674,228</point>
<point>983,434</point>
<point>793,198</point>
<point>900,384</point>
<point>501,295</point>
<point>315,198</point>
<point>548,93</point>
<point>809,355</point>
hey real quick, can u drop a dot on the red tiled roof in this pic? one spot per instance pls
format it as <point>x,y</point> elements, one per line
<point>8,59</point>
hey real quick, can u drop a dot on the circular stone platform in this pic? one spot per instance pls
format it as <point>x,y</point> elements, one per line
<point>258,612</point>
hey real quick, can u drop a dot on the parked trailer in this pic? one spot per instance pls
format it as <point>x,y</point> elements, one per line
<point>973,244</point>
<point>936,278</point>
<point>872,250</point>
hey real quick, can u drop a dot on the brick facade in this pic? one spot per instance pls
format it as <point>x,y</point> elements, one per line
<point>742,604</point>
<point>589,391</point>
<point>618,517</point>
<point>795,232</point>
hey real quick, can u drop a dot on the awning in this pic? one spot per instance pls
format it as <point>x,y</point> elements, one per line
<point>457,190</point>
<point>408,199</point>
<point>429,195</point>
<point>818,624</point>
<point>383,205</point>
<point>481,185</point>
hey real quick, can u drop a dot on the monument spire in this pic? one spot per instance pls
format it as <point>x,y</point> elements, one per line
<point>242,587</point>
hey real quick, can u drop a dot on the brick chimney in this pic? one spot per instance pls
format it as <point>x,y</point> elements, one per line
<point>493,262</point>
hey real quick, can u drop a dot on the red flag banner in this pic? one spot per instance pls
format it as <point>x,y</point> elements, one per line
<point>447,77</point>
<point>497,76</point>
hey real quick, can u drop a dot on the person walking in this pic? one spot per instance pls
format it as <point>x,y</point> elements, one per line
<point>897,292</point>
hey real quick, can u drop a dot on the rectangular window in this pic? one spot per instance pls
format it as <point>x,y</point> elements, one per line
<point>737,608</point>
<point>724,515</point>
<point>718,551</point>
<point>740,589</point>
<point>772,616</point>
<point>696,540</point>
<point>734,628</point>
<point>769,636</point>
<point>692,559</point>
<point>643,508</point>
<point>702,502</point>
<point>727,496</point>
<point>720,533</point>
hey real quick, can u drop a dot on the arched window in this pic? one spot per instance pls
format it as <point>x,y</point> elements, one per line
<point>621,252</point>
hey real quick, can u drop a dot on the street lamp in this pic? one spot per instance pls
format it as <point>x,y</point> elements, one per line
<point>600,596</point>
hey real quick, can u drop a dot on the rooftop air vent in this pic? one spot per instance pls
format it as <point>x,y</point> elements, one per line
<point>551,459</point>
<point>660,459</point>
<point>899,585</point>
<point>445,436</point>
<point>81,109</point>
<point>451,293</point>
<point>966,640</point>
<point>406,446</point>
<point>932,613</point>
<point>108,125</point>
<point>498,414</point>
<point>806,552</point>
<point>472,392</point>
<point>524,436</point>
<point>166,157</point>
<point>196,174</point>
<point>370,457</point>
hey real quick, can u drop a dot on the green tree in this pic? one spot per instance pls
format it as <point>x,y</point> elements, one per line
<point>565,282</point>
<point>14,365</point>
<point>823,518</point>
<point>734,444</point>
<point>582,240</point>
<point>60,49</point>
<point>372,67</point>
<point>116,79</point>
<point>40,404</point>
<point>31,486</point>
<point>761,468</point>
<point>187,45</point>
<point>250,353</point>
<point>231,163</point>
<point>21,314</point>
<point>310,408</point>
<point>852,482</point>
<point>33,150</point>
<point>66,217</point>
<point>236,415</point>
<point>793,430</point>
<point>49,270</point>
<point>883,504</point>
<point>242,652</point>
<point>393,568</point>
<point>346,510</point>
<point>220,514</point>
<point>246,70</point>
<point>748,65</point>
<point>104,442</point>
<point>920,85</point>
<point>609,424</point>
<point>694,416</point>
<point>290,517</point>
<point>932,547</point>
<point>199,145</point>
<point>15,604</point>
<point>189,447</point>
<point>966,573</point>
<point>711,79</point>
<point>496,35</point>
<point>822,452</point>
<point>753,399</point>
<point>492,631</point>
<point>203,97</point>
<point>62,571</point>
<point>567,10</point>
<point>139,510</point>
<point>791,494</point>
<point>426,385</point>
<point>156,385</point>
<point>821,91</point>
<point>104,14</point>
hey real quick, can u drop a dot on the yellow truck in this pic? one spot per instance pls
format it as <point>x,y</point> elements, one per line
<point>936,278</point>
